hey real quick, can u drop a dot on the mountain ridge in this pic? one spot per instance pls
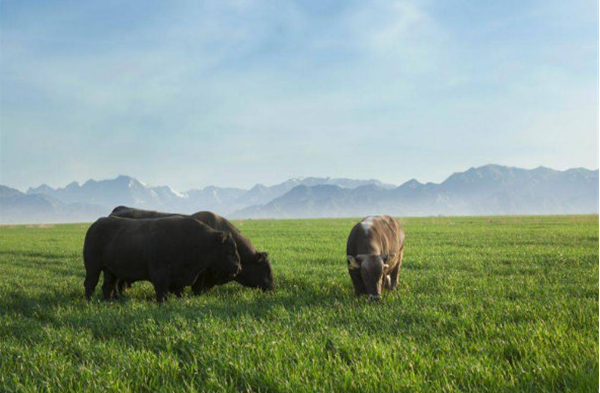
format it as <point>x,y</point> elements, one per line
<point>489,189</point>
<point>486,190</point>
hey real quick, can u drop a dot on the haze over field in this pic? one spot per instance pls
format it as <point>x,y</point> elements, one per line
<point>230,93</point>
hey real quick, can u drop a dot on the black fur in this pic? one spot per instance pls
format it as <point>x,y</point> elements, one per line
<point>170,252</point>
<point>256,266</point>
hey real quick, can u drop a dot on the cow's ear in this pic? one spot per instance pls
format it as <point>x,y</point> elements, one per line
<point>262,257</point>
<point>224,236</point>
<point>352,263</point>
<point>388,257</point>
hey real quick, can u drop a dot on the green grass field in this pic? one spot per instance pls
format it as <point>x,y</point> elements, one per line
<point>484,304</point>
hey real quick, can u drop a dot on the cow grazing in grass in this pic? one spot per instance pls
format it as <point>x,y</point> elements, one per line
<point>374,253</point>
<point>256,266</point>
<point>170,252</point>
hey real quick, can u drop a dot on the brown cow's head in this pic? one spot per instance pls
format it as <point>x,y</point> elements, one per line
<point>368,273</point>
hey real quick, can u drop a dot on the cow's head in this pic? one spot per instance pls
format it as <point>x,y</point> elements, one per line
<point>368,273</point>
<point>257,272</point>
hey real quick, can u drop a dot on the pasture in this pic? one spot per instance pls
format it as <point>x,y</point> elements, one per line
<point>496,304</point>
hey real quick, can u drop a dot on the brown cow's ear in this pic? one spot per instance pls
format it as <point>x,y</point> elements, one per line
<point>360,258</point>
<point>387,257</point>
<point>352,263</point>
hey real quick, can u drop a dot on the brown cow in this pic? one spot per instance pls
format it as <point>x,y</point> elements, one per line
<point>374,253</point>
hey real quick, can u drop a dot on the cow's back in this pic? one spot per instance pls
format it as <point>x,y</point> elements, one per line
<point>245,247</point>
<point>385,232</point>
<point>140,246</point>
<point>375,235</point>
<point>358,241</point>
<point>129,212</point>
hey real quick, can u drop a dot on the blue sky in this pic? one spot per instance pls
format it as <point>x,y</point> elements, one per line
<point>193,93</point>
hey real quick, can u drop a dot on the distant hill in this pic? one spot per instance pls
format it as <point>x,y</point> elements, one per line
<point>92,199</point>
<point>125,190</point>
<point>17,207</point>
<point>487,190</point>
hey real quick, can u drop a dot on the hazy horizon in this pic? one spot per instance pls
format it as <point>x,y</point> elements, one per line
<point>191,94</point>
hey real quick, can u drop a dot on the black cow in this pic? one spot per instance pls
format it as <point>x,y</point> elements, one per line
<point>170,252</point>
<point>256,266</point>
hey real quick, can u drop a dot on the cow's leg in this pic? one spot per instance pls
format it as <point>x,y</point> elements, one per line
<point>91,280</point>
<point>209,281</point>
<point>198,287</point>
<point>162,291</point>
<point>121,286</point>
<point>109,287</point>
<point>161,286</point>
<point>387,282</point>
<point>177,291</point>
<point>124,285</point>
<point>395,271</point>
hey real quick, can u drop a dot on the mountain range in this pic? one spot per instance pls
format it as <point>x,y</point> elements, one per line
<point>486,190</point>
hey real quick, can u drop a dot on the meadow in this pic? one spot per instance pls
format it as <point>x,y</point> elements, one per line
<point>494,304</point>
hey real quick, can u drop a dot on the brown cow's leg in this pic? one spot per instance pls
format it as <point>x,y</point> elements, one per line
<point>387,282</point>
<point>395,271</point>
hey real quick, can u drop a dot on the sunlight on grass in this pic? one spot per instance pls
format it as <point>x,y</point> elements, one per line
<point>484,304</point>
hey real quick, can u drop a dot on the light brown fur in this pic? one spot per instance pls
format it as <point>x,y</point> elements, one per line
<point>374,252</point>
